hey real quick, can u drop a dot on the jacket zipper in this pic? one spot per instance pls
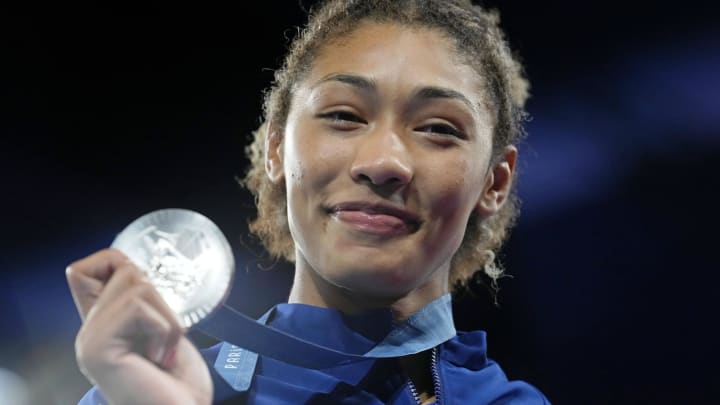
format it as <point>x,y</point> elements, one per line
<point>435,377</point>
<point>413,391</point>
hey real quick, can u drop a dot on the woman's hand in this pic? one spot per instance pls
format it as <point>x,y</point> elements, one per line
<point>131,343</point>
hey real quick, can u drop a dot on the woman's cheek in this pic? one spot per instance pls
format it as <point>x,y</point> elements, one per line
<point>325,162</point>
<point>449,187</point>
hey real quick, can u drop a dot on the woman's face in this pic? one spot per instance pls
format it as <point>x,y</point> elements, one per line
<point>385,154</point>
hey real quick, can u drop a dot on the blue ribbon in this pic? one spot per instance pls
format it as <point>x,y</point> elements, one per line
<point>245,337</point>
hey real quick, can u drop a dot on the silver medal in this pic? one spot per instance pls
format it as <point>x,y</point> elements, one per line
<point>186,257</point>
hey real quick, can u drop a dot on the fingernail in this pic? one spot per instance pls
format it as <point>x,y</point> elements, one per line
<point>169,359</point>
<point>159,355</point>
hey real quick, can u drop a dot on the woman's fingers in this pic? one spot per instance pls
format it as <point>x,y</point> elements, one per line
<point>128,277</point>
<point>118,304</point>
<point>131,343</point>
<point>87,277</point>
<point>137,322</point>
<point>125,276</point>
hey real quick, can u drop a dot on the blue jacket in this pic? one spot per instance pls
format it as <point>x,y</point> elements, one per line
<point>462,373</point>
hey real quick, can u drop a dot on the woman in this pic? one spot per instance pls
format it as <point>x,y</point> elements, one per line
<point>384,169</point>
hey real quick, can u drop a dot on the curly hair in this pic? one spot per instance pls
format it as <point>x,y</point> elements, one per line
<point>478,41</point>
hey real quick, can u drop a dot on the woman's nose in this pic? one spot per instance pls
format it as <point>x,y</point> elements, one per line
<point>382,160</point>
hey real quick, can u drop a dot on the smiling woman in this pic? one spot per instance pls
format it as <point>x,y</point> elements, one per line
<point>384,169</point>
<point>366,135</point>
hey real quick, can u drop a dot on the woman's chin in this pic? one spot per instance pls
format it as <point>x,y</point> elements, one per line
<point>382,283</point>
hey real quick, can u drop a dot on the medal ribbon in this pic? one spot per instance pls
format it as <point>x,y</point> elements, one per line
<point>245,337</point>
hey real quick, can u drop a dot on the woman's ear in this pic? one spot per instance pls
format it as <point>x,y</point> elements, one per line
<point>498,183</point>
<point>274,154</point>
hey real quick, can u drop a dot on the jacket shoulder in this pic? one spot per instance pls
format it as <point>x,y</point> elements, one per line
<point>471,377</point>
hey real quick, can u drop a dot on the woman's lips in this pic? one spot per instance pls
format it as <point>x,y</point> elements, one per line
<point>373,223</point>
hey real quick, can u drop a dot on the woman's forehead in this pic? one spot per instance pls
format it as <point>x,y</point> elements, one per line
<point>391,54</point>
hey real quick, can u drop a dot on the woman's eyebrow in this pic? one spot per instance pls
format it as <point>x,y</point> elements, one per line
<point>422,94</point>
<point>432,92</point>
<point>362,83</point>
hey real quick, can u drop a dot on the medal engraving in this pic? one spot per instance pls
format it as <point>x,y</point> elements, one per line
<point>186,258</point>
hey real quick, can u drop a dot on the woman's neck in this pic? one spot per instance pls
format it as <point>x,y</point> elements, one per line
<point>311,289</point>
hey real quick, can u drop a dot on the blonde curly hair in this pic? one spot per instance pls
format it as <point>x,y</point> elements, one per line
<point>479,41</point>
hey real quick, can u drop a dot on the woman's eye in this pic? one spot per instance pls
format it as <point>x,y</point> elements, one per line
<point>441,129</point>
<point>342,117</point>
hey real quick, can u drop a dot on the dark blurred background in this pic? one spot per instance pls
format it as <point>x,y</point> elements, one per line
<point>614,261</point>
